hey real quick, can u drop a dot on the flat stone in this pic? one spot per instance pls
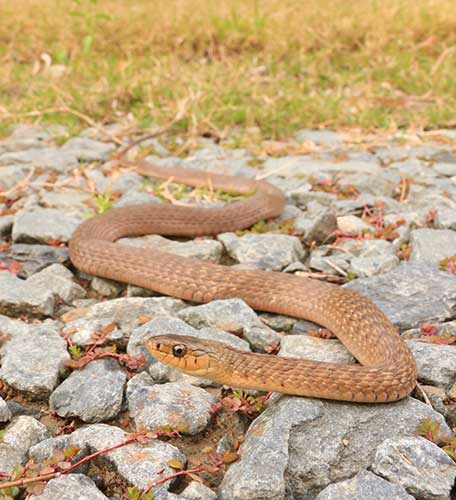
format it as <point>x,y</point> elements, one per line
<point>399,293</point>
<point>127,314</point>
<point>88,150</point>
<point>198,491</point>
<point>49,158</point>
<point>70,487</point>
<point>446,218</point>
<point>66,199</point>
<point>5,412</point>
<point>447,169</point>
<point>33,359</point>
<point>276,461</point>
<point>436,364</point>
<point>203,249</point>
<point>93,393</point>
<point>363,486</point>
<point>107,288</point>
<point>57,279</point>
<point>323,137</point>
<point>40,225</point>
<point>234,316</point>
<point>319,228</point>
<point>352,225</point>
<point>18,297</point>
<point>139,465</point>
<point>432,245</point>
<point>418,465</point>
<point>371,266</point>
<point>307,347</point>
<point>44,451</point>
<point>33,258</point>
<point>265,251</point>
<point>176,404</point>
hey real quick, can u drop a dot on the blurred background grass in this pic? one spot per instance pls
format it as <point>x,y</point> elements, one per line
<point>277,65</point>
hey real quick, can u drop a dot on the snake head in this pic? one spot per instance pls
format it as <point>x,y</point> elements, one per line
<point>197,357</point>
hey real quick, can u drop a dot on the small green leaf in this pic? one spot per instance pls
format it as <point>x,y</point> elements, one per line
<point>87,43</point>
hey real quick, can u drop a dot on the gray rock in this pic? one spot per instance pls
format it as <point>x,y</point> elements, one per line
<point>33,359</point>
<point>353,225</point>
<point>57,279</point>
<point>305,346</point>
<point>106,287</point>
<point>363,486</point>
<point>317,228</point>
<point>44,451</point>
<point>266,251</point>
<point>448,169</point>
<point>5,412</point>
<point>231,315</point>
<point>418,465</point>
<point>176,404</point>
<point>446,218</point>
<point>137,464</point>
<point>432,245</point>
<point>323,137</point>
<point>93,394</point>
<point>6,224</point>
<point>49,158</point>
<point>68,199</point>
<point>276,461</point>
<point>399,293</point>
<point>44,224</point>
<point>87,150</point>
<point>203,249</point>
<point>198,491</point>
<point>18,297</point>
<point>70,487</point>
<point>33,258</point>
<point>126,313</point>
<point>436,364</point>
<point>371,266</point>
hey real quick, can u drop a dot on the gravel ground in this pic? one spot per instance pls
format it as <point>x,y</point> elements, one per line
<point>377,214</point>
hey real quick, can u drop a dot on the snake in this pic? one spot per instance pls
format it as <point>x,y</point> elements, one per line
<point>385,370</point>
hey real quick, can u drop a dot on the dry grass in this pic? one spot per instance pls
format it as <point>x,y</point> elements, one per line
<point>274,64</point>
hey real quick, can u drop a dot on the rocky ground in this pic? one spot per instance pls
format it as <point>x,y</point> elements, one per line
<point>377,214</point>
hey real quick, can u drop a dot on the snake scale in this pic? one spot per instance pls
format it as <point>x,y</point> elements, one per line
<point>386,369</point>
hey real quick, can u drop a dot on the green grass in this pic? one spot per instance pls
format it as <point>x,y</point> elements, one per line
<point>274,65</point>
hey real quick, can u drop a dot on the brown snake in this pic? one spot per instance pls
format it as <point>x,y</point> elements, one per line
<point>387,370</point>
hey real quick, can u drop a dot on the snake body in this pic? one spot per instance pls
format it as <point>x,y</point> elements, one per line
<point>387,370</point>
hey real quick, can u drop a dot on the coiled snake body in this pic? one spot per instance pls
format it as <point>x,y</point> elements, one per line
<point>387,370</point>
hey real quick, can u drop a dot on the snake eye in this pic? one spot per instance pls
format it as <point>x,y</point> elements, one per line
<point>179,350</point>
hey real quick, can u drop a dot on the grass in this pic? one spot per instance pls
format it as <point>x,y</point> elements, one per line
<point>272,66</point>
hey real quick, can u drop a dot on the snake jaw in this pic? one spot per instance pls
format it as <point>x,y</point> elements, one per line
<point>185,354</point>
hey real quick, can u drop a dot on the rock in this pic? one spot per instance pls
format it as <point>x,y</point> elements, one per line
<point>107,288</point>
<point>48,158</point>
<point>418,465</point>
<point>176,404</point>
<point>305,346</point>
<point>399,293</point>
<point>436,364</point>
<point>363,486</point>
<point>265,251</point>
<point>57,279</point>
<point>371,266</point>
<point>319,228</point>
<point>5,412</point>
<point>432,245</point>
<point>126,313</point>
<point>231,315</point>
<point>33,258</point>
<point>323,137</point>
<point>276,461</point>
<point>70,487</point>
<point>93,393</point>
<point>19,297</point>
<point>353,225</point>
<point>197,491</point>
<point>88,150</point>
<point>41,225</point>
<point>6,224</point>
<point>203,249</point>
<point>33,359</point>
<point>446,218</point>
<point>44,451</point>
<point>139,465</point>
<point>447,169</point>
